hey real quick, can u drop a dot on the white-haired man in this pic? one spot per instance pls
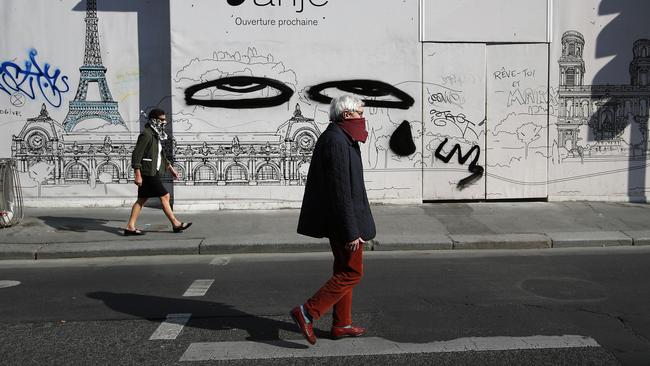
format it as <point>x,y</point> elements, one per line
<point>335,205</point>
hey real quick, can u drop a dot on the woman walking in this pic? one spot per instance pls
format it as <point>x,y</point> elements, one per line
<point>149,164</point>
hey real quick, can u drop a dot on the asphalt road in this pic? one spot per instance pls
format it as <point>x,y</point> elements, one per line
<point>421,308</point>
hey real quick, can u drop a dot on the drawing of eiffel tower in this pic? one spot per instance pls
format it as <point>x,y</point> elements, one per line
<point>92,71</point>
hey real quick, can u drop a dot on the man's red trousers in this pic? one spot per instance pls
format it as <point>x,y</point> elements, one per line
<point>337,291</point>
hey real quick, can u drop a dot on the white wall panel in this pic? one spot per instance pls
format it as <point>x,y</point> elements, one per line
<point>485,21</point>
<point>517,123</point>
<point>453,110</point>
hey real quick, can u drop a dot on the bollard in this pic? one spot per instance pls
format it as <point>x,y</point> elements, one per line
<point>11,197</point>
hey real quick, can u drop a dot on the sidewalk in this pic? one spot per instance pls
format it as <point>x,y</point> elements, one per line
<point>97,232</point>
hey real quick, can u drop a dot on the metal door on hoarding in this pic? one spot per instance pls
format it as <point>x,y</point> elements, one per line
<point>485,114</point>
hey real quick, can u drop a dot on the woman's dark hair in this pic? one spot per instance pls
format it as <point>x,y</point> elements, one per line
<point>155,113</point>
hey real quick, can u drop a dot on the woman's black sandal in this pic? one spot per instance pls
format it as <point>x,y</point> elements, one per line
<point>182,226</point>
<point>135,232</point>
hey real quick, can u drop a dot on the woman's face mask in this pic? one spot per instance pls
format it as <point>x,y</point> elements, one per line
<point>158,125</point>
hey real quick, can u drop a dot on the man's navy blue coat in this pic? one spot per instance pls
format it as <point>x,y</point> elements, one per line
<point>335,204</point>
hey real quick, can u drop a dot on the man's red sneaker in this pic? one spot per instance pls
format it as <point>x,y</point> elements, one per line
<point>306,329</point>
<point>352,331</point>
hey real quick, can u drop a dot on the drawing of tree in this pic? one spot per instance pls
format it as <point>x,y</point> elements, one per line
<point>105,178</point>
<point>381,144</point>
<point>92,177</point>
<point>303,170</point>
<point>373,152</point>
<point>39,172</point>
<point>527,133</point>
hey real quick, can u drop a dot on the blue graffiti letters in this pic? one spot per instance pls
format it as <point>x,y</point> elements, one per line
<point>474,168</point>
<point>32,79</point>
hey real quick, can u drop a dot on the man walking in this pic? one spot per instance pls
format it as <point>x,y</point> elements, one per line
<point>335,205</point>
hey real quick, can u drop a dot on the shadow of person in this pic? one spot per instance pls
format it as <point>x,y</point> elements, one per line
<point>205,315</point>
<point>79,224</point>
<point>629,24</point>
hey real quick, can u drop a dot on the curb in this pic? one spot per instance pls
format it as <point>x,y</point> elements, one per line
<point>118,249</point>
<point>424,242</point>
<point>590,239</point>
<point>502,241</point>
<point>235,245</point>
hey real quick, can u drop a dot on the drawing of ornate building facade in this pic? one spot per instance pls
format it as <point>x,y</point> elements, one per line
<point>277,158</point>
<point>605,109</point>
<point>249,159</point>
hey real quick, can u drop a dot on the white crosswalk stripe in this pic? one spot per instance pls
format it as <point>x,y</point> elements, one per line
<point>8,283</point>
<point>171,327</point>
<point>364,346</point>
<point>198,288</point>
<point>220,261</point>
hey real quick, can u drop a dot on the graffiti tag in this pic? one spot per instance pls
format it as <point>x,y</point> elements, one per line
<point>446,97</point>
<point>474,168</point>
<point>32,79</point>
<point>442,118</point>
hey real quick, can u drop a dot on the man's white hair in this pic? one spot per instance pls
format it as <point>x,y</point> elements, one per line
<point>343,103</point>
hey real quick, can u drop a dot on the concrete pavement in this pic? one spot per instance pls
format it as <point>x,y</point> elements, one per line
<point>97,232</point>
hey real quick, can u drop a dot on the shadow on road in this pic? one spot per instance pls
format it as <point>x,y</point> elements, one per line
<point>79,224</point>
<point>205,314</point>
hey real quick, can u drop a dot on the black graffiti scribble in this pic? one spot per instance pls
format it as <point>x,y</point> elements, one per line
<point>240,84</point>
<point>475,169</point>
<point>401,141</point>
<point>368,88</point>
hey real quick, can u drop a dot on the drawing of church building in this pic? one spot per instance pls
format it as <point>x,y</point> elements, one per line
<point>605,109</point>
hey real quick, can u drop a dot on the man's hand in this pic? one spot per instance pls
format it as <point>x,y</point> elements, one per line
<point>355,244</point>
<point>138,178</point>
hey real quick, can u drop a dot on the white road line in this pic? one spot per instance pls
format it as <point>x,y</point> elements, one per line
<point>171,327</point>
<point>8,283</point>
<point>198,288</point>
<point>373,346</point>
<point>220,261</point>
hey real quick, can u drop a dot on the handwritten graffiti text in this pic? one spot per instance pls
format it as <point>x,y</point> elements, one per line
<point>446,97</point>
<point>442,118</point>
<point>513,73</point>
<point>32,79</point>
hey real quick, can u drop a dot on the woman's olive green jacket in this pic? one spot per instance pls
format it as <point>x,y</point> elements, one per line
<point>145,153</point>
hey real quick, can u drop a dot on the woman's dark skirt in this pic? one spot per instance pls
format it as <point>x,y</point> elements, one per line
<point>151,187</point>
